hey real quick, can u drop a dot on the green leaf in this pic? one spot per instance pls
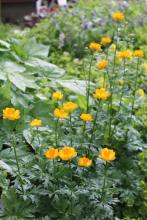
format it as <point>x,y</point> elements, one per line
<point>5,90</point>
<point>45,67</point>
<point>5,166</point>
<point>77,86</point>
<point>4,46</point>
<point>22,81</point>
<point>35,49</point>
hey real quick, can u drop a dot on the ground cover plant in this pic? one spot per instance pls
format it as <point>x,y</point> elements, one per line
<point>75,149</point>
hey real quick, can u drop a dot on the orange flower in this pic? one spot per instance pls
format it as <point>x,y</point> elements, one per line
<point>84,162</point>
<point>107,154</point>
<point>86,117</point>
<point>60,113</point>
<point>36,123</point>
<point>138,53</point>
<point>69,106</point>
<point>11,114</point>
<point>102,65</point>
<point>105,40</point>
<point>51,153</point>
<point>67,153</point>
<point>118,16</point>
<point>95,46</point>
<point>126,54</point>
<point>57,95</point>
<point>101,93</point>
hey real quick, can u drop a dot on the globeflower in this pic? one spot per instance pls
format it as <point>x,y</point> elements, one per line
<point>140,92</point>
<point>101,94</point>
<point>102,65</point>
<point>57,95</point>
<point>51,153</point>
<point>60,113</point>
<point>118,16</point>
<point>138,53</point>
<point>69,106</point>
<point>126,54</point>
<point>95,46</point>
<point>84,162</point>
<point>107,154</point>
<point>36,123</point>
<point>86,117</point>
<point>11,114</point>
<point>67,153</point>
<point>105,40</point>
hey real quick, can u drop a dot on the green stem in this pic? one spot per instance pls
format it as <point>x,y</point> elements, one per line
<point>111,98</point>
<point>135,88</point>
<point>89,79</point>
<point>70,118</point>
<point>17,163</point>
<point>104,182</point>
<point>71,190</point>
<point>121,96</point>
<point>134,96</point>
<point>94,126</point>
<point>106,70</point>
<point>56,132</point>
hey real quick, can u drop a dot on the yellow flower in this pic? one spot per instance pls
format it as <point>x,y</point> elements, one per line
<point>145,67</point>
<point>107,154</point>
<point>67,153</point>
<point>102,65</point>
<point>84,162</point>
<point>57,95</point>
<point>113,47</point>
<point>11,114</point>
<point>95,46</point>
<point>69,106</point>
<point>36,123</point>
<point>60,113</point>
<point>126,54</point>
<point>138,53</point>
<point>105,40</point>
<point>118,16</point>
<point>51,153</point>
<point>101,93</point>
<point>86,117</point>
<point>140,92</point>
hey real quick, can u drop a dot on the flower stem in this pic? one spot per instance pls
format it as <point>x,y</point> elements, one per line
<point>104,82</point>
<point>121,96</point>
<point>94,126</point>
<point>111,98</point>
<point>135,88</point>
<point>56,132</point>
<point>70,119</point>
<point>71,191</point>
<point>134,96</point>
<point>17,163</point>
<point>104,182</point>
<point>89,79</point>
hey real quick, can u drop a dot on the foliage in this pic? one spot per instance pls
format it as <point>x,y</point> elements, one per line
<point>36,186</point>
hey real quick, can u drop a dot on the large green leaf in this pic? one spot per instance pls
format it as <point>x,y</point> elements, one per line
<point>9,67</point>
<point>4,46</point>
<point>45,67</point>
<point>5,166</point>
<point>22,81</point>
<point>77,86</point>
